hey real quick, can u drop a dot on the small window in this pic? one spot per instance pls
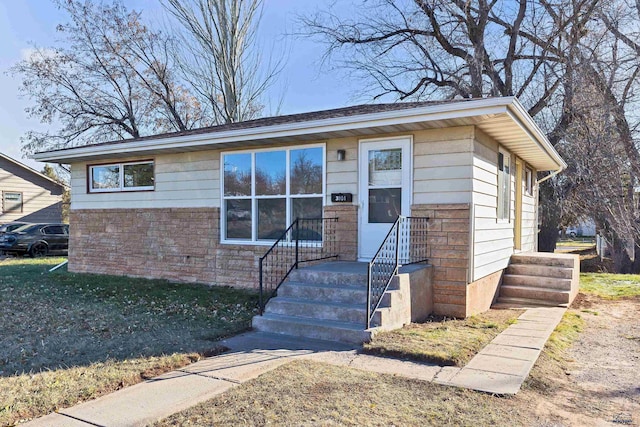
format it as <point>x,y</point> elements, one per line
<point>133,176</point>
<point>528,181</point>
<point>504,185</point>
<point>11,202</point>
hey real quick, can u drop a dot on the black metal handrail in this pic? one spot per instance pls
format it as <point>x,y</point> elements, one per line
<point>404,244</point>
<point>305,240</point>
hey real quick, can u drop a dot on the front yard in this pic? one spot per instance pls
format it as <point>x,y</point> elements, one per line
<point>69,337</point>
<point>587,375</point>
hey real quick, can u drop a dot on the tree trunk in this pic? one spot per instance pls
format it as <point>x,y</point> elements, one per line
<point>549,212</point>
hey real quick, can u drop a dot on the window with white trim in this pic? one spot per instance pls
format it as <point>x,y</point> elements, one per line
<point>11,202</point>
<point>264,191</point>
<point>528,181</point>
<point>130,176</point>
<point>504,185</point>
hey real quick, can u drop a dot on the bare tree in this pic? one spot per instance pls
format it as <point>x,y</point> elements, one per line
<point>444,49</point>
<point>220,59</point>
<point>109,78</point>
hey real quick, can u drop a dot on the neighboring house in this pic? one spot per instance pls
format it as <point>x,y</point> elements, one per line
<point>28,195</point>
<point>204,205</point>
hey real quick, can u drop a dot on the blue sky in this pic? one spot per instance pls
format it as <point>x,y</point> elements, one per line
<point>303,85</point>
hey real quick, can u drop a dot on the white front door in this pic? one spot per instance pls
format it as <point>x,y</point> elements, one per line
<point>385,190</point>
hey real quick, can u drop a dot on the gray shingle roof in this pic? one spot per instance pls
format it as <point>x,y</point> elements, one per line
<point>286,119</point>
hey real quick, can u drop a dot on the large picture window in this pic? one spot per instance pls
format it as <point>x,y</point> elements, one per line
<point>132,176</point>
<point>504,185</point>
<point>264,191</point>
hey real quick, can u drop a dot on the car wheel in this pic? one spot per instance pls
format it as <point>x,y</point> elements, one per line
<point>38,250</point>
<point>573,234</point>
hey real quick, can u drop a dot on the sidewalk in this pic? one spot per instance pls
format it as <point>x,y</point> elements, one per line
<point>500,368</point>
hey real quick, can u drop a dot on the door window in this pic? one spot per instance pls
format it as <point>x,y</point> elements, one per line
<point>385,181</point>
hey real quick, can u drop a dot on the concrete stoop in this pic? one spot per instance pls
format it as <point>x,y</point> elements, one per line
<point>540,279</point>
<point>328,302</point>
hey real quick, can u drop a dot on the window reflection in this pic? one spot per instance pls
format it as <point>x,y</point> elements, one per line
<point>272,221</point>
<point>105,177</point>
<point>237,174</point>
<point>238,219</point>
<point>271,167</point>
<point>306,171</point>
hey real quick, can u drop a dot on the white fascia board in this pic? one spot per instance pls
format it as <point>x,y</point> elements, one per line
<point>422,114</point>
<point>521,117</point>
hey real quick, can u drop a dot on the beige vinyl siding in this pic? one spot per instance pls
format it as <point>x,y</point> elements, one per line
<point>492,238</point>
<point>41,198</point>
<point>342,175</point>
<point>442,165</point>
<point>181,180</point>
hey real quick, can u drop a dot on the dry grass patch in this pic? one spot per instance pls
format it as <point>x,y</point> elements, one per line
<point>304,393</point>
<point>66,337</point>
<point>441,340</point>
<point>30,395</point>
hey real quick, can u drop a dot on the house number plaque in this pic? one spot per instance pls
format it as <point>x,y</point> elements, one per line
<point>341,197</point>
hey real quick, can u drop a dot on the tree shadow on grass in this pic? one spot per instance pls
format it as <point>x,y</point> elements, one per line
<point>60,319</point>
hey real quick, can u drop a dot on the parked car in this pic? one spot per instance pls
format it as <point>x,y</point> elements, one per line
<point>36,240</point>
<point>11,226</point>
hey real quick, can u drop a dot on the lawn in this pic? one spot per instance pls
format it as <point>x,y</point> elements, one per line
<point>71,337</point>
<point>306,393</point>
<point>610,286</point>
<point>443,341</point>
<point>312,393</point>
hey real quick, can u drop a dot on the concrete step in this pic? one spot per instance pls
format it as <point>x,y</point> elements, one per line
<point>551,260</point>
<point>507,303</point>
<point>536,282</point>
<point>323,277</point>
<point>540,270</point>
<point>328,330</point>
<point>334,293</point>
<point>551,295</point>
<point>318,309</point>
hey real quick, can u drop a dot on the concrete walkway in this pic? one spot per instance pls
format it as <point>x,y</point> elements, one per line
<point>499,368</point>
<point>503,365</point>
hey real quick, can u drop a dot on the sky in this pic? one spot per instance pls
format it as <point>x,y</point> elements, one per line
<point>303,84</point>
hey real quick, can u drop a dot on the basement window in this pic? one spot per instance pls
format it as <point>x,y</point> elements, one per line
<point>131,176</point>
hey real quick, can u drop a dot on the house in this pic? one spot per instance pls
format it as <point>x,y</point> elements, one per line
<point>205,205</point>
<point>28,195</point>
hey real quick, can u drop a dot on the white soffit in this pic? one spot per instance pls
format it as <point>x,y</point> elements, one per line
<point>504,119</point>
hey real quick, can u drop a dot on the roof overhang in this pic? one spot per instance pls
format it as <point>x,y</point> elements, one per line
<point>504,119</point>
<point>32,171</point>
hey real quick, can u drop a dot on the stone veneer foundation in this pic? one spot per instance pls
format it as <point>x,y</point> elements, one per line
<point>183,244</point>
<point>180,244</point>
<point>448,252</point>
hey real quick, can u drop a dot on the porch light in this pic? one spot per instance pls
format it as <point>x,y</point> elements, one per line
<point>341,155</point>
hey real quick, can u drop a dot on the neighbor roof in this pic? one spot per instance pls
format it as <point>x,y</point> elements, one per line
<point>30,170</point>
<point>505,119</point>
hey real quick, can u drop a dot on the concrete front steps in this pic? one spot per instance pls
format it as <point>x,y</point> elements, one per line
<point>328,302</point>
<point>539,279</point>
<point>325,302</point>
